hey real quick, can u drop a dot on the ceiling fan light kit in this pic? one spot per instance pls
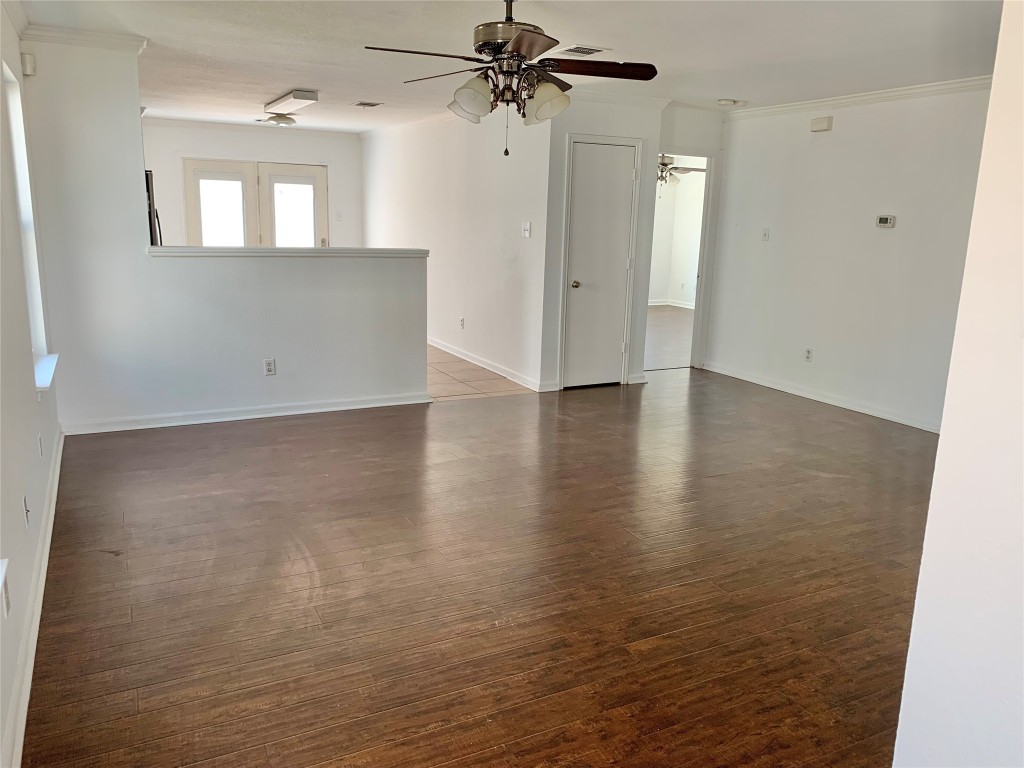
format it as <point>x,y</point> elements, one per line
<point>281,121</point>
<point>512,75</point>
<point>458,110</point>
<point>475,96</point>
<point>279,110</point>
<point>550,101</point>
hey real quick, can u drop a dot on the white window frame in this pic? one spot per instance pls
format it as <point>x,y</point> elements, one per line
<point>257,196</point>
<point>26,214</point>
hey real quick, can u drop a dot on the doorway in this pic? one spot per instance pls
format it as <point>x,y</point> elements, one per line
<point>675,261</point>
<point>600,235</point>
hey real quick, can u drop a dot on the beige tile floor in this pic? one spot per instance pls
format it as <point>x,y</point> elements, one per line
<point>451,378</point>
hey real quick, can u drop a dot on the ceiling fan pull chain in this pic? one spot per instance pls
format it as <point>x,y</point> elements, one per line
<point>506,130</point>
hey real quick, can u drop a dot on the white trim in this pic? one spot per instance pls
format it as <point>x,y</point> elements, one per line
<point>14,728</point>
<point>670,303</point>
<point>347,253</point>
<point>37,33</point>
<point>637,378</point>
<point>240,414</point>
<point>824,397</point>
<point>871,97</point>
<point>483,362</point>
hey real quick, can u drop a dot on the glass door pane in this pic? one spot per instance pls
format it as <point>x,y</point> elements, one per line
<point>294,223</point>
<point>222,212</point>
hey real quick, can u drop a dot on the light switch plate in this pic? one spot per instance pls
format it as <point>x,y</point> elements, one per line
<point>526,229</point>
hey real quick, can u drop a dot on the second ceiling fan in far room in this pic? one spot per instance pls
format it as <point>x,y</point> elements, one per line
<point>511,74</point>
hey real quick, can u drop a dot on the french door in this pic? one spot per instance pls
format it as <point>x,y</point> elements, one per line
<point>238,204</point>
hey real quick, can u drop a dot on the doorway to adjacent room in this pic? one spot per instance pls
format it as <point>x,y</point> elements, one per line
<point>675,260</point>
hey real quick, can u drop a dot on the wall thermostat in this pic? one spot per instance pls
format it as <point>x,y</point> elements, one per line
<point>885,222</point>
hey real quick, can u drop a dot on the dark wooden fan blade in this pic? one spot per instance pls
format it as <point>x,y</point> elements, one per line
<point>529,44</point>
<point>428,53</point>
<point>623,70</point>
<point>545,75</point>
<point>446,74</point>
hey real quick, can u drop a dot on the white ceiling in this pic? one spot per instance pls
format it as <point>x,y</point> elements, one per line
<point>222,60</point>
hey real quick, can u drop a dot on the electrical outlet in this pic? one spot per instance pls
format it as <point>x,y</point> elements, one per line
<point>462,322</point>
<point>28,512</point>
<point>269,367</point>
<point>766,234</point>
<point>808,355</point>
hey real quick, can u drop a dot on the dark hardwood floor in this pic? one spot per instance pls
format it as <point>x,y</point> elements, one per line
<point>695,572</point>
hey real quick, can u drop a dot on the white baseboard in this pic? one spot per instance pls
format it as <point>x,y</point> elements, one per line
<point>238,414</point>
<point>825,397</point>
<point>549,386</point>
<point>14,728</point>
<point>636,378</point>
<point>483,362</point>
<point>671,303</point>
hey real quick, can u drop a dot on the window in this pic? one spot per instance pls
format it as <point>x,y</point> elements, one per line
<point>15,144</point>
<point>235,204</point>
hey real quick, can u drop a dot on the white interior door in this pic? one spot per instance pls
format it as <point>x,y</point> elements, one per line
<point>600,235</point>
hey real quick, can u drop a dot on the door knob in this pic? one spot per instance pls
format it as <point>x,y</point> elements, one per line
<point>575,283</point>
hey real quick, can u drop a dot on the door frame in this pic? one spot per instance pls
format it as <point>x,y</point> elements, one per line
<point>708,249</point>
<point>617,141</point>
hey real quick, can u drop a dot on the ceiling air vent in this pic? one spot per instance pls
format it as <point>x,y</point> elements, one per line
<point>579,51</point>
<point>367,104</point>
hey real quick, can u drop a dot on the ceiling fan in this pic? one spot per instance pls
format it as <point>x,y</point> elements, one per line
<point>280,120</point>
<point>669,172</point>
<point>512,74</point>
<point>281,111</point>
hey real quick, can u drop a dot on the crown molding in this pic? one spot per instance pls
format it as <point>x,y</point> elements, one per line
<point>872,97</point>
<point>35,33</point>
<point>16,13</point>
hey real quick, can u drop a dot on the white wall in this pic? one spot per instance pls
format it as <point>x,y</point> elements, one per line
<point>689,130</point>
<point>876,305</point>
<point>148,340</point>
<point>167,142</point>
<point>963,698</point>
<point>661,245</point>
<point>445,185</point>
<point>640,119</point>
<point>686,239</point>
<point>25,419</point>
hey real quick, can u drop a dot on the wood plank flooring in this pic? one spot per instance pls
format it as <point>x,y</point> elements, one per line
<point>669,338</point>
<point>694,572</point>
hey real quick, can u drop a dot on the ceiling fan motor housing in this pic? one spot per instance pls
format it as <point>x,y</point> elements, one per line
<point>491,37</point>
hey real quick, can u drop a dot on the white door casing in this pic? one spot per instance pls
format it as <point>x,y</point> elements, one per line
<point>600,227</point>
